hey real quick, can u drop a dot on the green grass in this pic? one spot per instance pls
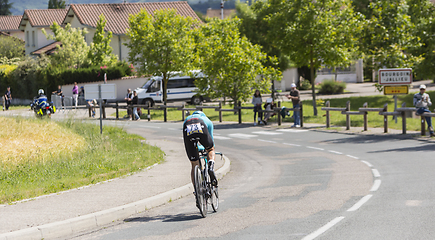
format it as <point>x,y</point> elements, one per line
<point>112,154</point>
<point>337,119</point>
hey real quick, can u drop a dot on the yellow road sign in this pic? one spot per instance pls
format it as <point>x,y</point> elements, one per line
<point>395,90</point>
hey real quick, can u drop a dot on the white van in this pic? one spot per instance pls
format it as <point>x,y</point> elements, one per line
<point>180,88</point>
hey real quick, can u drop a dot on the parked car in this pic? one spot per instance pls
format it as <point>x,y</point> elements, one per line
<point>180,88</point>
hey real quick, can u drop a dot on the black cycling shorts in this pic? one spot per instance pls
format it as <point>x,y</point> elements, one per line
<point>195,128</point>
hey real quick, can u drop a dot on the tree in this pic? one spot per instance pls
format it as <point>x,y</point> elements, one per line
<point>161,44</point>
<point>5,7</point>
<point>422,13</point>
<point>232,64</point>
<point>73,51</point>
<point>389,35</point>
<point>313,33</point>
<point>56,4</point>
<point>11,47</point>
<point>100,52</point>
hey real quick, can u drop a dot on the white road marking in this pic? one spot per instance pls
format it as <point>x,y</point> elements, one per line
<point>334,152</point>
<point>323,229</point>
<point>266,141</point>
<point>221,137</point>
<point>376,173</point>
<point>321,149</point>
<point>352,156</point>
<point>291,144</point>
<point>241,135</point>
<point>367,163</point>
<point>175,129</point>
<point>292,130</point>
<point>360,203</point>
<point>148,126</point>
<point>413,203</point>
<point>376,185</point>
<point>267,133</point>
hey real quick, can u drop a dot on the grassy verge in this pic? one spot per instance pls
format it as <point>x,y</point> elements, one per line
<point>86,157</point>
<point>337,119</point>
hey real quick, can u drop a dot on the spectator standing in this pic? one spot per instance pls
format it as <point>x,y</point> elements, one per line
<point>422,103</point>
<point>129,98</point>
<point>257,101</point>
<point>134,102</point>
<point>296,100</point>
<point>268,107</point>
<point>59,93</point>
<point>8,97</point>
<point>75,92</point>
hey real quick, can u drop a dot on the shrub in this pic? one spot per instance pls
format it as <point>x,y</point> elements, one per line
<point>331,87</point>
<point>305,85</point>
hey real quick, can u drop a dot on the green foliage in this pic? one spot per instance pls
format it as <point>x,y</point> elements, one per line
<point>73,51</point>
<point>231,63</point>
<point>5,7</point>
<point>161,44</point>
<point>254,26</point>
<point>11,47</point>
<point>331,87</point>
<point>389,35</point>
<point>100,52</point>
<point>305,85</point>
<point>10,61</point>
<point>56,4</point>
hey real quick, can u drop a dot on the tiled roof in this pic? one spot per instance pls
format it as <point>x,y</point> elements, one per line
<point>117,14</point>
<point>47,49</point>
<point>44,17</point>
<point>10,23</point>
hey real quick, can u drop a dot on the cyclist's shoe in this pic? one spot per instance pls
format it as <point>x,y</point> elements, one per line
<point>211,173</point>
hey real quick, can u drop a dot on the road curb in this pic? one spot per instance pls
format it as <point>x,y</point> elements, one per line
<point>98,219</point>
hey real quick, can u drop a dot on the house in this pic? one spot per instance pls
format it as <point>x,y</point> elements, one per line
<point>32,23</point>
<point>10,26</point>
<point>87,16</point>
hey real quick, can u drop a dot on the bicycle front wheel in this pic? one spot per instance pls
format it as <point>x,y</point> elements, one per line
<point>200,191</point>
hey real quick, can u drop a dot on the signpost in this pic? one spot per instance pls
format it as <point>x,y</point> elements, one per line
<point>100,92</point>
<point>395,81</point>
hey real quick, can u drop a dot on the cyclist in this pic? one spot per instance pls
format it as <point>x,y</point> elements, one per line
<point>198,125</point>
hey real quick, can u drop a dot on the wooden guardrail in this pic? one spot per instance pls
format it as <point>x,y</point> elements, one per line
<point>237,109</point>
<point>382,111</point>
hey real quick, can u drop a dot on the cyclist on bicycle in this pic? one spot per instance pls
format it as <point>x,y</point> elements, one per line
<point>199,126</point>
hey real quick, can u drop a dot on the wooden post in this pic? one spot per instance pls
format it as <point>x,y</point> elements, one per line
<point>220,112</point>
<point>133,117</point>
<point>328,123</point>
<point>301,114</point>
<point>240,112</point>
<point>279,114</point>
<point>423,127</point>
<point>117,110</point>
<point>403,119</point>
<point>365,105</point>
<point>347,115</point>
<point>89,108</point>
<point>386,118</point>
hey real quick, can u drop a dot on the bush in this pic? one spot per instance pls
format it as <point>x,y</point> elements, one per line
<point>331,87</point>
<point>305,85</point>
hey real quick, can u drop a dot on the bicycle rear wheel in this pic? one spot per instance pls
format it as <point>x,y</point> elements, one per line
<point>214,198</point>
<point>200,191</point>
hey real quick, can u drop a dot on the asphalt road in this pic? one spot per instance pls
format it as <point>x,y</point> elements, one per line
<point>299,184</point>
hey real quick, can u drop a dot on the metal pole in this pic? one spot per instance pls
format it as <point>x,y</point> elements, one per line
<point>395,107</point>
<point>101,108</point>
<point>222,9</point>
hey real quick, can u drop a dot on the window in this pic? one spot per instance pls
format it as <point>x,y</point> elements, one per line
<point>181,83</point>
<point>33,38</point>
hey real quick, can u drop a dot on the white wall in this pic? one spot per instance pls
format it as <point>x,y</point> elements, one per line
<point>289,76</point>
<point>121,86</point>
<point>347,78</point>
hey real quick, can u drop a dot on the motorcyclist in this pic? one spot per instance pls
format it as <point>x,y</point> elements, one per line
<point>41,101</point>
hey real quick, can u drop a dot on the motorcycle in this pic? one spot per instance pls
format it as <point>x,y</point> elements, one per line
<point>44,110</point>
